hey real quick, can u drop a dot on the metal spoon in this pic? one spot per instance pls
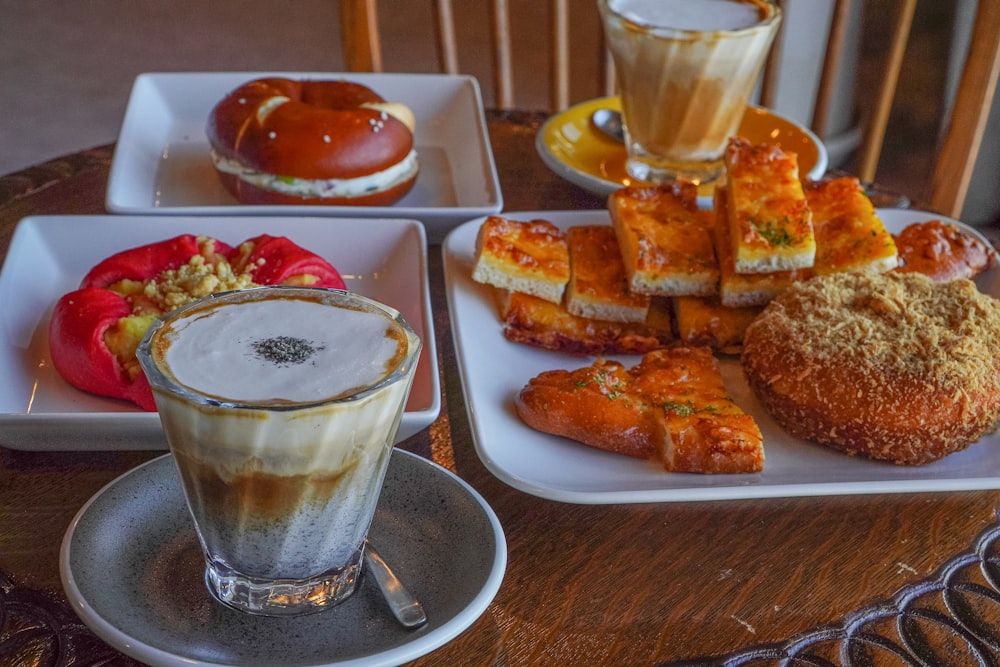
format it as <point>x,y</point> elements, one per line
<point>609,122</point>
<point>404,606</point>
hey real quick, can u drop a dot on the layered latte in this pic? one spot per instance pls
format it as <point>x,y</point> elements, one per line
<point>280,406</point>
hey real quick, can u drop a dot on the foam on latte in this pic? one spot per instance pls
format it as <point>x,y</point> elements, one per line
<point>280,350</point>
<point>687,15</point>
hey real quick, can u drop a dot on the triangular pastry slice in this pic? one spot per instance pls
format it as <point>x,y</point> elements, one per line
<point>672,407</point>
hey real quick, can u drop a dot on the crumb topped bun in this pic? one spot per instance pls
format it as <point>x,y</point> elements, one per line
<point>894,366</point>
<point>281,141</point>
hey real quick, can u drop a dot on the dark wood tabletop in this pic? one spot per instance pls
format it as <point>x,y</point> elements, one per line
<point>902,578</point>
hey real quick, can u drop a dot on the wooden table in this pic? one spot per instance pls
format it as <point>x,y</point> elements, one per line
<point>897,578</point>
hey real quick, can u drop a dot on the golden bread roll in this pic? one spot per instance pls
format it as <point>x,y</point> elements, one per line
<point>942,251</point>
<point>890,366</point>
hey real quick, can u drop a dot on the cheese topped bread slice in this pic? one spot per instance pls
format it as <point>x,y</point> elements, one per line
<point>530,257</point>
<point>769,219</point>
<point>849,235</point>
<point>740,290</point>
<point>539,323</point>
<point>598,287</point>
<point>666,242</point>
<point>672,407</point>
<point>703,320</point>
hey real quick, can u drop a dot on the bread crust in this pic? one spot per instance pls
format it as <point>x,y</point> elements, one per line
<point>598,285</point>
<point>770,221</point>
<point>743,290</point>
<point>312,131</point>
<point>849,234</point>
<point>587,405</point>
<point>705,321</point>
<point>890,366</point>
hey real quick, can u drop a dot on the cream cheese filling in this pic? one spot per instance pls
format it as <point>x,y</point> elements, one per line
<point>322,188</point>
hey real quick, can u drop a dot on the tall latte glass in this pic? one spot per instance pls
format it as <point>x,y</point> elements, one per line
<point>686,69</point>
<point>280,406</point>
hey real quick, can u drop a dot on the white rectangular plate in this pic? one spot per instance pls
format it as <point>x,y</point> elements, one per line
<point>161,163</point>
<point>493,370</point>
<point>49,255</point>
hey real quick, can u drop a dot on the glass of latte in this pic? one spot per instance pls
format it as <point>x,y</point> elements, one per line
<point>280,406</point>
<point>686,70</point>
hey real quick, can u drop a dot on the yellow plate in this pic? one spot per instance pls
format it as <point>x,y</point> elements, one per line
<point>573,148</point>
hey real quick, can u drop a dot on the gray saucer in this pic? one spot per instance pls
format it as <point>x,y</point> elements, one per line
<point>132,569</point>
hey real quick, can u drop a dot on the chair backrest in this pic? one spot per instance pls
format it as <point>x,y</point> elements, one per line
<point>963,128</point>
<point>962,135</point>
<point>970,112</point>
<point>362,46</point>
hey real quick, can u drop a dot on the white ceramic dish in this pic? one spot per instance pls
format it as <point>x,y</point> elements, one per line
<point>133,571</point>
<point>161,163</point>
<point>383,259</point>
<point>493,369</point>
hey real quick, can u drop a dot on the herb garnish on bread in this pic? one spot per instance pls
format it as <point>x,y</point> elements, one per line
<point>671,407</point>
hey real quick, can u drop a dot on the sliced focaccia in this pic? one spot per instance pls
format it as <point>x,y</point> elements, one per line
<point>530,257</point>
<point>665,241</point>
<point>598,288</point>
<point>849,235</point>
<point>769,219</point>
<point>703,320</point>
<point>672,406</point>
<point>539,323</point>
<point>740,290</point>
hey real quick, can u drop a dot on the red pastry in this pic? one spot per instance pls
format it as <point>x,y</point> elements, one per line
<point>95,329</point>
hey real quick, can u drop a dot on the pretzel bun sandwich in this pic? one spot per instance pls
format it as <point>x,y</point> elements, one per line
<point>282,141</point>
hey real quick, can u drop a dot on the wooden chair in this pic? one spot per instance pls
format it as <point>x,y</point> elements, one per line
<point>962,131</point>
<point>362,46</point>
<point>962,136</point>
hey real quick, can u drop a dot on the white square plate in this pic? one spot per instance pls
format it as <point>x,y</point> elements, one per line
<point>493,370</point>
<point>161,163</point>
<point>49,255</point>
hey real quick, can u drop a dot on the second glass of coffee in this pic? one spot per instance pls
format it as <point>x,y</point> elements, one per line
<point>686,70</point>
